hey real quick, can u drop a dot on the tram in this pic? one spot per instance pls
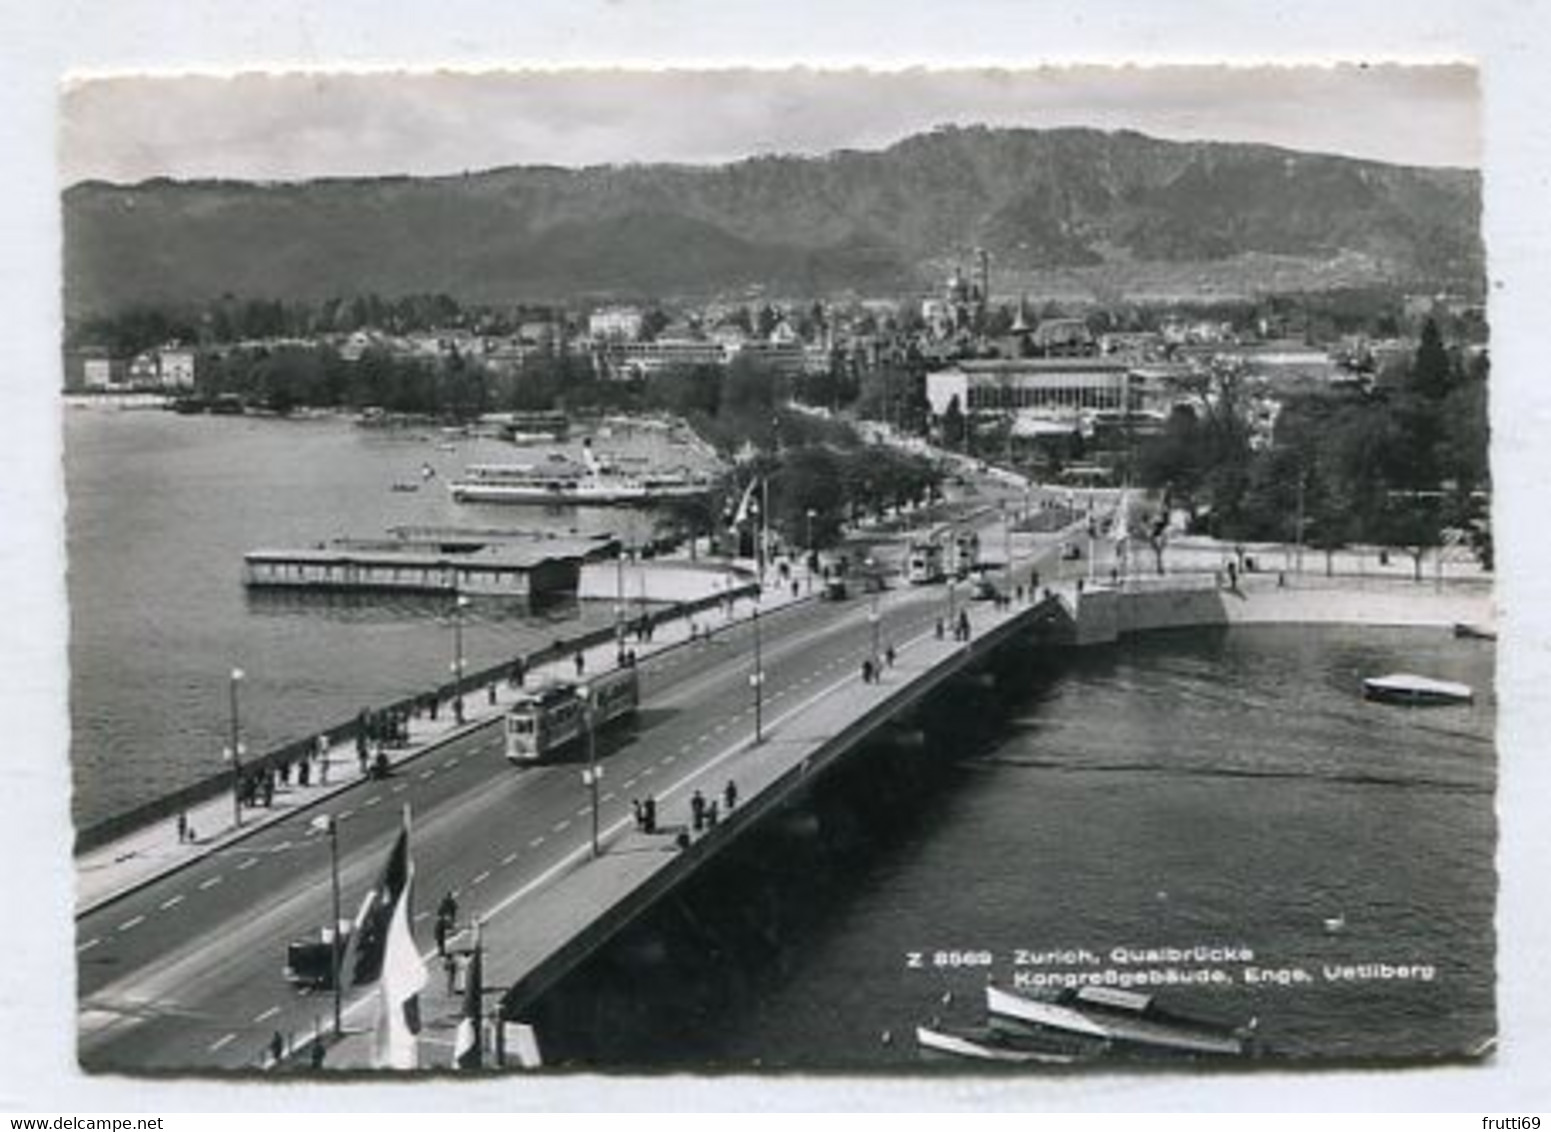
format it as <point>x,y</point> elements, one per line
<point>550,718</point>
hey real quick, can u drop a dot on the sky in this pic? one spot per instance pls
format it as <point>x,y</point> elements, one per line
<point>301,125</point>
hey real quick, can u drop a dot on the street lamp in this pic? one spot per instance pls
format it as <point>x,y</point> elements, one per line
<point>812,552</point>
<point>327,823</point>
<point>459,605</point>
<point>872,614</point>
<point>593,775</point>
<point>757,682</point>
<point>236,749</point>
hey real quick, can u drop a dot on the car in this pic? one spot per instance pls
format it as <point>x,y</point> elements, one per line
<point>985,590</point>
<point>1070,552</point>
<point>834,590</point>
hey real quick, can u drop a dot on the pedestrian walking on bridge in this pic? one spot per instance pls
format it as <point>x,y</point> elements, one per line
<point>730,794</point>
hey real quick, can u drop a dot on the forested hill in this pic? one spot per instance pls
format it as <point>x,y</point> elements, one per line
<point>1082,202</point>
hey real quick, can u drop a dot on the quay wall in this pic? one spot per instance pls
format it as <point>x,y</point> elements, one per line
<point>1106,613</point>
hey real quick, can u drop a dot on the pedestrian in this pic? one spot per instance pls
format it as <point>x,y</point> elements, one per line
<point>795,589</point>
<point>649,815</point>
<point>963,625</point>
<point>888,656</point>
<point>519,672</point>
<point>491,695</point>
<point>304,773</point>
<point>710,814</point>
<point>867,671</point>
<point>730,794</point>
<point>182,828</point>
<point>448,909</point>
<point>440,933</point>
<point>317,1053</point>
<point>450,966</point>
<point>635,809</point>
<point>939,628</point>
<point>581,662</point>
<point>276,1048</point>
<point>697,811</point>
<point>193,836</point>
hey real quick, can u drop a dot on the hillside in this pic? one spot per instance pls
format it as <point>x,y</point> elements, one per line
<point>1057,203</point>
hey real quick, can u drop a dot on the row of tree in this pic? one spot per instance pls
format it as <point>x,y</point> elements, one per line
<point>1402,463</point>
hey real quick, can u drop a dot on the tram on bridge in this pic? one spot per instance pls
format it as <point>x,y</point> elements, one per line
<point>551,718</point>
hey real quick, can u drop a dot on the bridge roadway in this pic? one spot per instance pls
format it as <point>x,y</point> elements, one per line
<point>185,973</point>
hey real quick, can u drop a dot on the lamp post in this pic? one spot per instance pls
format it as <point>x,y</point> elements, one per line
<point>757,682</point>
<point>236,748</point>
<point>459,604</point>
<point>812,551</point>
<point>593,775</point>
<point>329,824</point>
<point>872,614</point>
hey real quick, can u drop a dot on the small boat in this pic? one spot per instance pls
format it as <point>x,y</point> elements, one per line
<point>406,487</point>
<point>983,1044</point>
<point>1122,1018</point>
<point>1405,688</point>
<point>1474,632</point>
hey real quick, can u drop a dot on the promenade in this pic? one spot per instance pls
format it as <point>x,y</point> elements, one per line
<point>125,863</point>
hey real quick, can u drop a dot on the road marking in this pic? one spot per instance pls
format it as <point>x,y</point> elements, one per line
<point>509,858</point>
<point>583,812</point>
<point>706,738</point>
<point>282,847</point>
<point>172,902</point>
<point>648,772</point>
<point>270,1013</point>
<point>536,842</point>
<point>427,773</point>
<point>372,801</point>
<point>667,760</point>
<point>87,946</point>
<point>400,788</point>
<point>629,782</point>
<point>719,728</point>
<point>343,814</point>
<point>480,878</point>
<point>248,864</point>
<point>561,827</point>
<point>609,797</point>
<point>211,883</point>
<point>132,922</point>
<point>219,1042</point>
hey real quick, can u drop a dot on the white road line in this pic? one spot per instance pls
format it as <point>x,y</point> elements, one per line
<point>270,1013</point>
<point>282,847</point>
<point>706,738</point>
<point>583,812</point>
<point>535,843</point>
<point>562,826</point>
<point>343,814</point>
<point>629,782</point>
<point>87,946</point>
<point>211,883</point>
<point>171,902</point>
<point>648,772</point>
<point>219,1042</point>
<point>132,922</point>
<point>668,760</point>
<point>480,878</point>
<point>248,864</point>
<point>427,773</point>
<point>400,788</point>
<point>609,797</point>
<point>372,801</point>
<point>509,858</point>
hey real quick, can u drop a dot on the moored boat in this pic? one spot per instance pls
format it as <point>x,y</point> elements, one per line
<point>984,1044</point>
<point>1407,688</point>
<point>1121,1018</point>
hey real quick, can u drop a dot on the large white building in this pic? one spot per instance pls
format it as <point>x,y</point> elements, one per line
<point>616,323</point>
<point>1063,389</point>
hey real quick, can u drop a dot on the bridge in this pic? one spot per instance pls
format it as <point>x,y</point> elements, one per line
<point>182,969</point>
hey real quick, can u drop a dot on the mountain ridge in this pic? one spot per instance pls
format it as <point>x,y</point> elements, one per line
<point>1064,200</point>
